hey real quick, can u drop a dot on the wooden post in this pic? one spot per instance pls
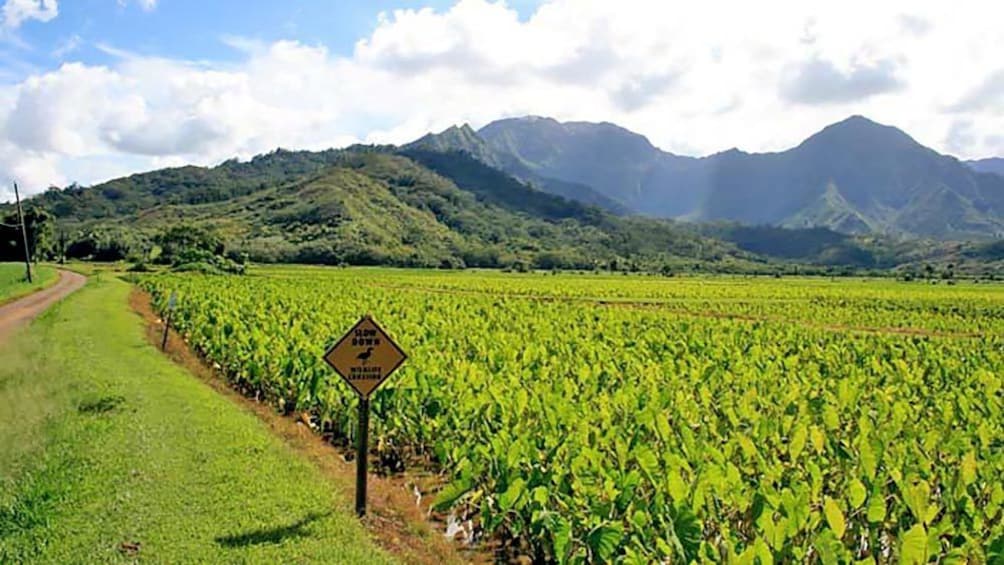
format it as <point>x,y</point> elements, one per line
<point>24,234</point>
<point>362,449</point>
<point>167,326</point>
<point>172,301</point>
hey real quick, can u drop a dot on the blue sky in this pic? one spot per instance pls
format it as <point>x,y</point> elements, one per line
<point>194,29</point>
<point>95,89</point>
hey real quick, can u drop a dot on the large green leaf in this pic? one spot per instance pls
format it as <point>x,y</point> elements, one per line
<point>913,546</point>
<point>856,494</point>
<point>508,499</point>
<point>603,540</point>
<point>834,517</point>
<point>562,535</point>
<point>797,442</point>
<point>686,532</point>
<point>647,460</point>
<point>451,493</point>
<point>828,547</point>
<point>869,462</point>
<point>967,468</point>
<point>876,507</point>
<point>916,496</point>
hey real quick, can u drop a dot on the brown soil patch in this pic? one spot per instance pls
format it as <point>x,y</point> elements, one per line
<point>394,519</point>
<point>20,311</point>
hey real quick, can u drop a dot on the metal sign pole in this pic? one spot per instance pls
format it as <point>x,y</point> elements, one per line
<point>362,449</point>
<point>24,233</point>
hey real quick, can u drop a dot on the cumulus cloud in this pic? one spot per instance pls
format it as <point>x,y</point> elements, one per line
<point>817,81</point>
<point>692,77</point>
<point>144,4</point>
<point>915,24</point>
<point>634,94</point>
<point>988,95</point>
<point>960,136</point>
<point>15,12</point>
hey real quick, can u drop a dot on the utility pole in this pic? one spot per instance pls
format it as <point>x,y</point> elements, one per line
<point>24,234</point>
<point>62,246</point>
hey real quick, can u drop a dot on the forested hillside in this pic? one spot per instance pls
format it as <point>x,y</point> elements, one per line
<point>368,206</point>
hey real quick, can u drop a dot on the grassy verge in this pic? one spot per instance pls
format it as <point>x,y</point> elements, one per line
<point>112,454</point>
<point>13,284</point>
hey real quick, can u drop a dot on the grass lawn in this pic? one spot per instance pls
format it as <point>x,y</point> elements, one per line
<point>111,453</point>
<point>14,285</point>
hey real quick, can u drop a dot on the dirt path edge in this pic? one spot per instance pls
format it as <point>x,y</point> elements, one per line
<point>19,312</point>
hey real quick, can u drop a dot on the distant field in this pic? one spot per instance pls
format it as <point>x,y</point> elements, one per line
<point>13,283</point>
<point>645,418</point>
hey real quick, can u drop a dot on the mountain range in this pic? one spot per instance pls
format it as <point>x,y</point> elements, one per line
<point>534,192</point>
<point>370,205</point>
<point>855,176</point>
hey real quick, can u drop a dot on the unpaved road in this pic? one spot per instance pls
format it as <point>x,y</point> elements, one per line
<point>23,310</point>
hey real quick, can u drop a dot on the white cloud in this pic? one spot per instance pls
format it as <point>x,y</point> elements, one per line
<point>987,96</point>
<point>147,5</point>
<point>15,12</point>
<point>694,78</point>
<point>817,81</point>
<point>67,46</point>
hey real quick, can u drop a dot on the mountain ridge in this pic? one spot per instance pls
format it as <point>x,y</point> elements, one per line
<point>994,165</point>
<point>886,181</point>
<point>464,138</point>
<point>368,205</point>
<point>429,206</point>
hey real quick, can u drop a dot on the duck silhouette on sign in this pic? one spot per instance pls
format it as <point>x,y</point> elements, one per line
<point>365,355</point>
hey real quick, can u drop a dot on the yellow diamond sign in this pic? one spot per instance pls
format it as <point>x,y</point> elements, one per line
<point>365,356</point>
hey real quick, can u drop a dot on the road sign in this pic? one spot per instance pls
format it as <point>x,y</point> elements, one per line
<point>365,356</point>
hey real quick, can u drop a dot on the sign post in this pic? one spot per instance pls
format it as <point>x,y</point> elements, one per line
<point>364,357</point>
<point>171,302</point>
<point>362,449</point>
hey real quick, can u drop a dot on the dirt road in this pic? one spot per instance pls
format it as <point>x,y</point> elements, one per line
<point>23,310</point>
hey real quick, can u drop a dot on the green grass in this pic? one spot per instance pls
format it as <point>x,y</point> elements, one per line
<point>14,285</point>
<point>106,442</point>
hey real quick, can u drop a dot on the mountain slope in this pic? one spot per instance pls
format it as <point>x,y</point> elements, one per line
<point>184,185</point>
<point>466,140</point>
<point>618,163</point>
<point>833,210</point>
<point>372,205</point>
<point>855,176</point>
<point>993,165</point>
<point>887,180</point>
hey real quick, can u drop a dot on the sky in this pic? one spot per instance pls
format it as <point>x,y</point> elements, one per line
<point>95,89</point>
